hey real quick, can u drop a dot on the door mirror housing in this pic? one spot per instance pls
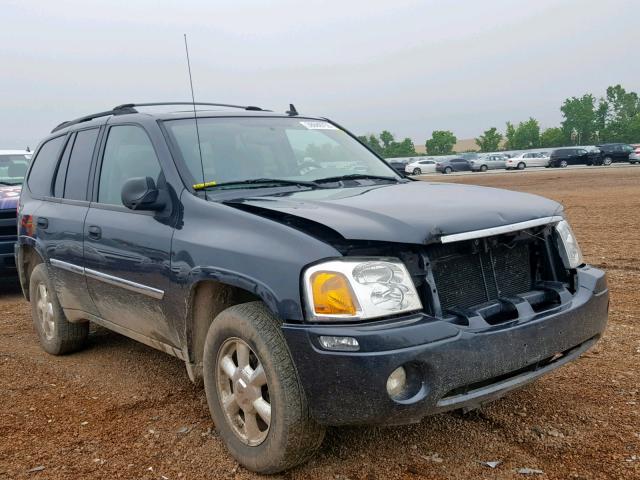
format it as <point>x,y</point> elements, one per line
<point>141,193</point>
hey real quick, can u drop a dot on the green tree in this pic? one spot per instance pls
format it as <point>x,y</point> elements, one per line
<point>510,134</point>
<point>387,138</point>
<point>580,117</point>
<point>553,137</point>
<point>490,140</point>
<point>624,108</point>
<point>441,142</point>
<point>404,148</point>
<point>527,134</point>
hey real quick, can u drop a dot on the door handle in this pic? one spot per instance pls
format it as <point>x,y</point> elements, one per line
<point>95,232</point>
<point>43,222</point>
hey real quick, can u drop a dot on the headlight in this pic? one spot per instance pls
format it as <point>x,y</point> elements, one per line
<point>359,289</point>
<point>568,245</point>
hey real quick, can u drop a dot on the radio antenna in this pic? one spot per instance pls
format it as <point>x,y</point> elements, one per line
<point>195,115</point>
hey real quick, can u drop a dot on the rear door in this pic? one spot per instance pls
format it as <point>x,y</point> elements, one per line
<point>60,221</point>
<point>127,252</point>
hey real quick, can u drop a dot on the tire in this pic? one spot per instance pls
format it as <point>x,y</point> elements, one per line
<point>483,168</point>
<point>607,161</point>
<point>291,436</point>
<point>563,164</point>
<point>57,335</point>
<point>448,170</point>
<point>417,171</point>
<point>522,166</point>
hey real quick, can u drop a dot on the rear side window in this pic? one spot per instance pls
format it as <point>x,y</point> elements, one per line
<point>128,154</point>
<point>75,186</point>
<point>44,166</point>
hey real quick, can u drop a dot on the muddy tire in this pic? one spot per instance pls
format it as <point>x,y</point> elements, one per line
<point>57,335</point>
<point>253,391</point>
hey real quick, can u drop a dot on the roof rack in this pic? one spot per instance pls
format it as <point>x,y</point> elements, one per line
<point>127,108</point>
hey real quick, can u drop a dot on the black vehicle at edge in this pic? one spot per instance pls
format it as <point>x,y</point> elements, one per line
<point>563,157</point>
<point>304,300</point>
<point>615,152</point>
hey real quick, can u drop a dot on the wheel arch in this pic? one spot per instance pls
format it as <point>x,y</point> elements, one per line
<point>29,254</point>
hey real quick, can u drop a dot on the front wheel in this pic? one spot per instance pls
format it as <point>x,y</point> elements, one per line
<point>417,171</point>
<point>254,394</point>
<point>563,164</point>
<point>56,334</point>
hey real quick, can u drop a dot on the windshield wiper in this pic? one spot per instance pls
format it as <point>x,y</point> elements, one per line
<point>257,181</point>
<point>357,176</point>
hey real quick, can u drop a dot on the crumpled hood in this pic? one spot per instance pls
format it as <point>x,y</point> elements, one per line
<point>414,212</point>
<point>9,195</point>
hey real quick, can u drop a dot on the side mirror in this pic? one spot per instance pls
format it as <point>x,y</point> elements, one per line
<point>141,194</point>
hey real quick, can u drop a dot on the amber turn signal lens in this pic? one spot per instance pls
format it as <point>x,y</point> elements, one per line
<point>332,294</point>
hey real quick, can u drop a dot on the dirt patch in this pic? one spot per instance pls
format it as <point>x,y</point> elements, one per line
<point>122,410</point>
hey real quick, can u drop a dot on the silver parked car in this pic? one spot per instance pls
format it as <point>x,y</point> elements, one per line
<point>488,162</point>
<point>528,159</point>
<point>421,166</point>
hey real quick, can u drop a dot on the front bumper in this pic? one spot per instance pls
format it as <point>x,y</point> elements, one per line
<point>458,366</point>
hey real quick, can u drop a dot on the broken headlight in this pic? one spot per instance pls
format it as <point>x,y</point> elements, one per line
<point>359,289</point>
<point>568,246</point>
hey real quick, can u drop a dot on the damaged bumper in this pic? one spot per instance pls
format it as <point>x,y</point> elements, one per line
<point>452,366</point>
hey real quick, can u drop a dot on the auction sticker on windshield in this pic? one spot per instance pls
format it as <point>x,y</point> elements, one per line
<point>315,125</point>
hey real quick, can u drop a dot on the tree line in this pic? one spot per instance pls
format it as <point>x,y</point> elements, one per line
<point>614,117</point>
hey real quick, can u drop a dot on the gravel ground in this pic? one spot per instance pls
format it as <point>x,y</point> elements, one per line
<point>123,410</point>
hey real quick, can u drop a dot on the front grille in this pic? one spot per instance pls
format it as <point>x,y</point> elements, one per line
<point>474,272</point>
<point>8,227</point>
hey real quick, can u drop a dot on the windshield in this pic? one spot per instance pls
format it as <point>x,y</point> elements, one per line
<point>244,148</point>
<point>13,168</point>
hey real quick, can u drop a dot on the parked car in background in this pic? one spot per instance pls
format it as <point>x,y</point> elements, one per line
<point>563,157</point>
<point>615,152</point>
<point>527,159</point>
<point>420,167</point>
<point>397,165</point>
<point>493,161</point>
<point>453,165</point>
<point>13,166</point>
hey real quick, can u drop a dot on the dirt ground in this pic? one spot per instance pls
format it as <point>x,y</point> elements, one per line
<point>122,410</point>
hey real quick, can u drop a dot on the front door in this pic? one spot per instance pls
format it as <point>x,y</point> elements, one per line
<point>127,252</point>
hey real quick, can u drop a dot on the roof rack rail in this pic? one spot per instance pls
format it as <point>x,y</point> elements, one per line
<point>127,108</point>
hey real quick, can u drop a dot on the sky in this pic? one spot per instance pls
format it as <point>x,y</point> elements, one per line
<point>407,66</point>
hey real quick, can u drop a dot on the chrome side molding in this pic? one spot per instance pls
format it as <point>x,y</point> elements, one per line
<point>489,232</point>
<point>110,279</point>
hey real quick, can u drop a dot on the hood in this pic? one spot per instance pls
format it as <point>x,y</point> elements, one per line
<point>414,212</point>
<point>9,196</point>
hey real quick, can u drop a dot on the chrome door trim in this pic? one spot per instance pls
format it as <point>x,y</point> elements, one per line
<point>488,232</point>
<point>126,284</point>
<point>69,267</point>
<point>110,279</point>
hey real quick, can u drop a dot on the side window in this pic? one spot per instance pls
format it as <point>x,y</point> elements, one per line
<point>41,176</point>
<point>128,154</point>
<point>75,187</point>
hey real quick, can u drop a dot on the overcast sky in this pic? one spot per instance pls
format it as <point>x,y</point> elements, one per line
<point>407,66</point>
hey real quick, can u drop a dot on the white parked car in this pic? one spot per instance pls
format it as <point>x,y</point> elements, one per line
<point>528,159</point>
<point>420,167</point>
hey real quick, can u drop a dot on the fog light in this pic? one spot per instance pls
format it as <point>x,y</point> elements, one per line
<point>344,344</point>
<point>397,382</point>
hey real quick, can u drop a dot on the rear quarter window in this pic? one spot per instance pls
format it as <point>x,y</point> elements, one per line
<point>44,165</point>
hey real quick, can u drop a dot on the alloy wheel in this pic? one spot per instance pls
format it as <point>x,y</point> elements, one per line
<point>45,311</point>
<point>243,391</point>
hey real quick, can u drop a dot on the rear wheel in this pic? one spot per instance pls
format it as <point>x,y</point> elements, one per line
<point>417,171</point>
<point>253,391</point>
<point>563,164</point>
<point>483,168</point>
<point>521,166</point>
<point>57,335</point>
<point>607,161</point>
<point>448,170</point>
